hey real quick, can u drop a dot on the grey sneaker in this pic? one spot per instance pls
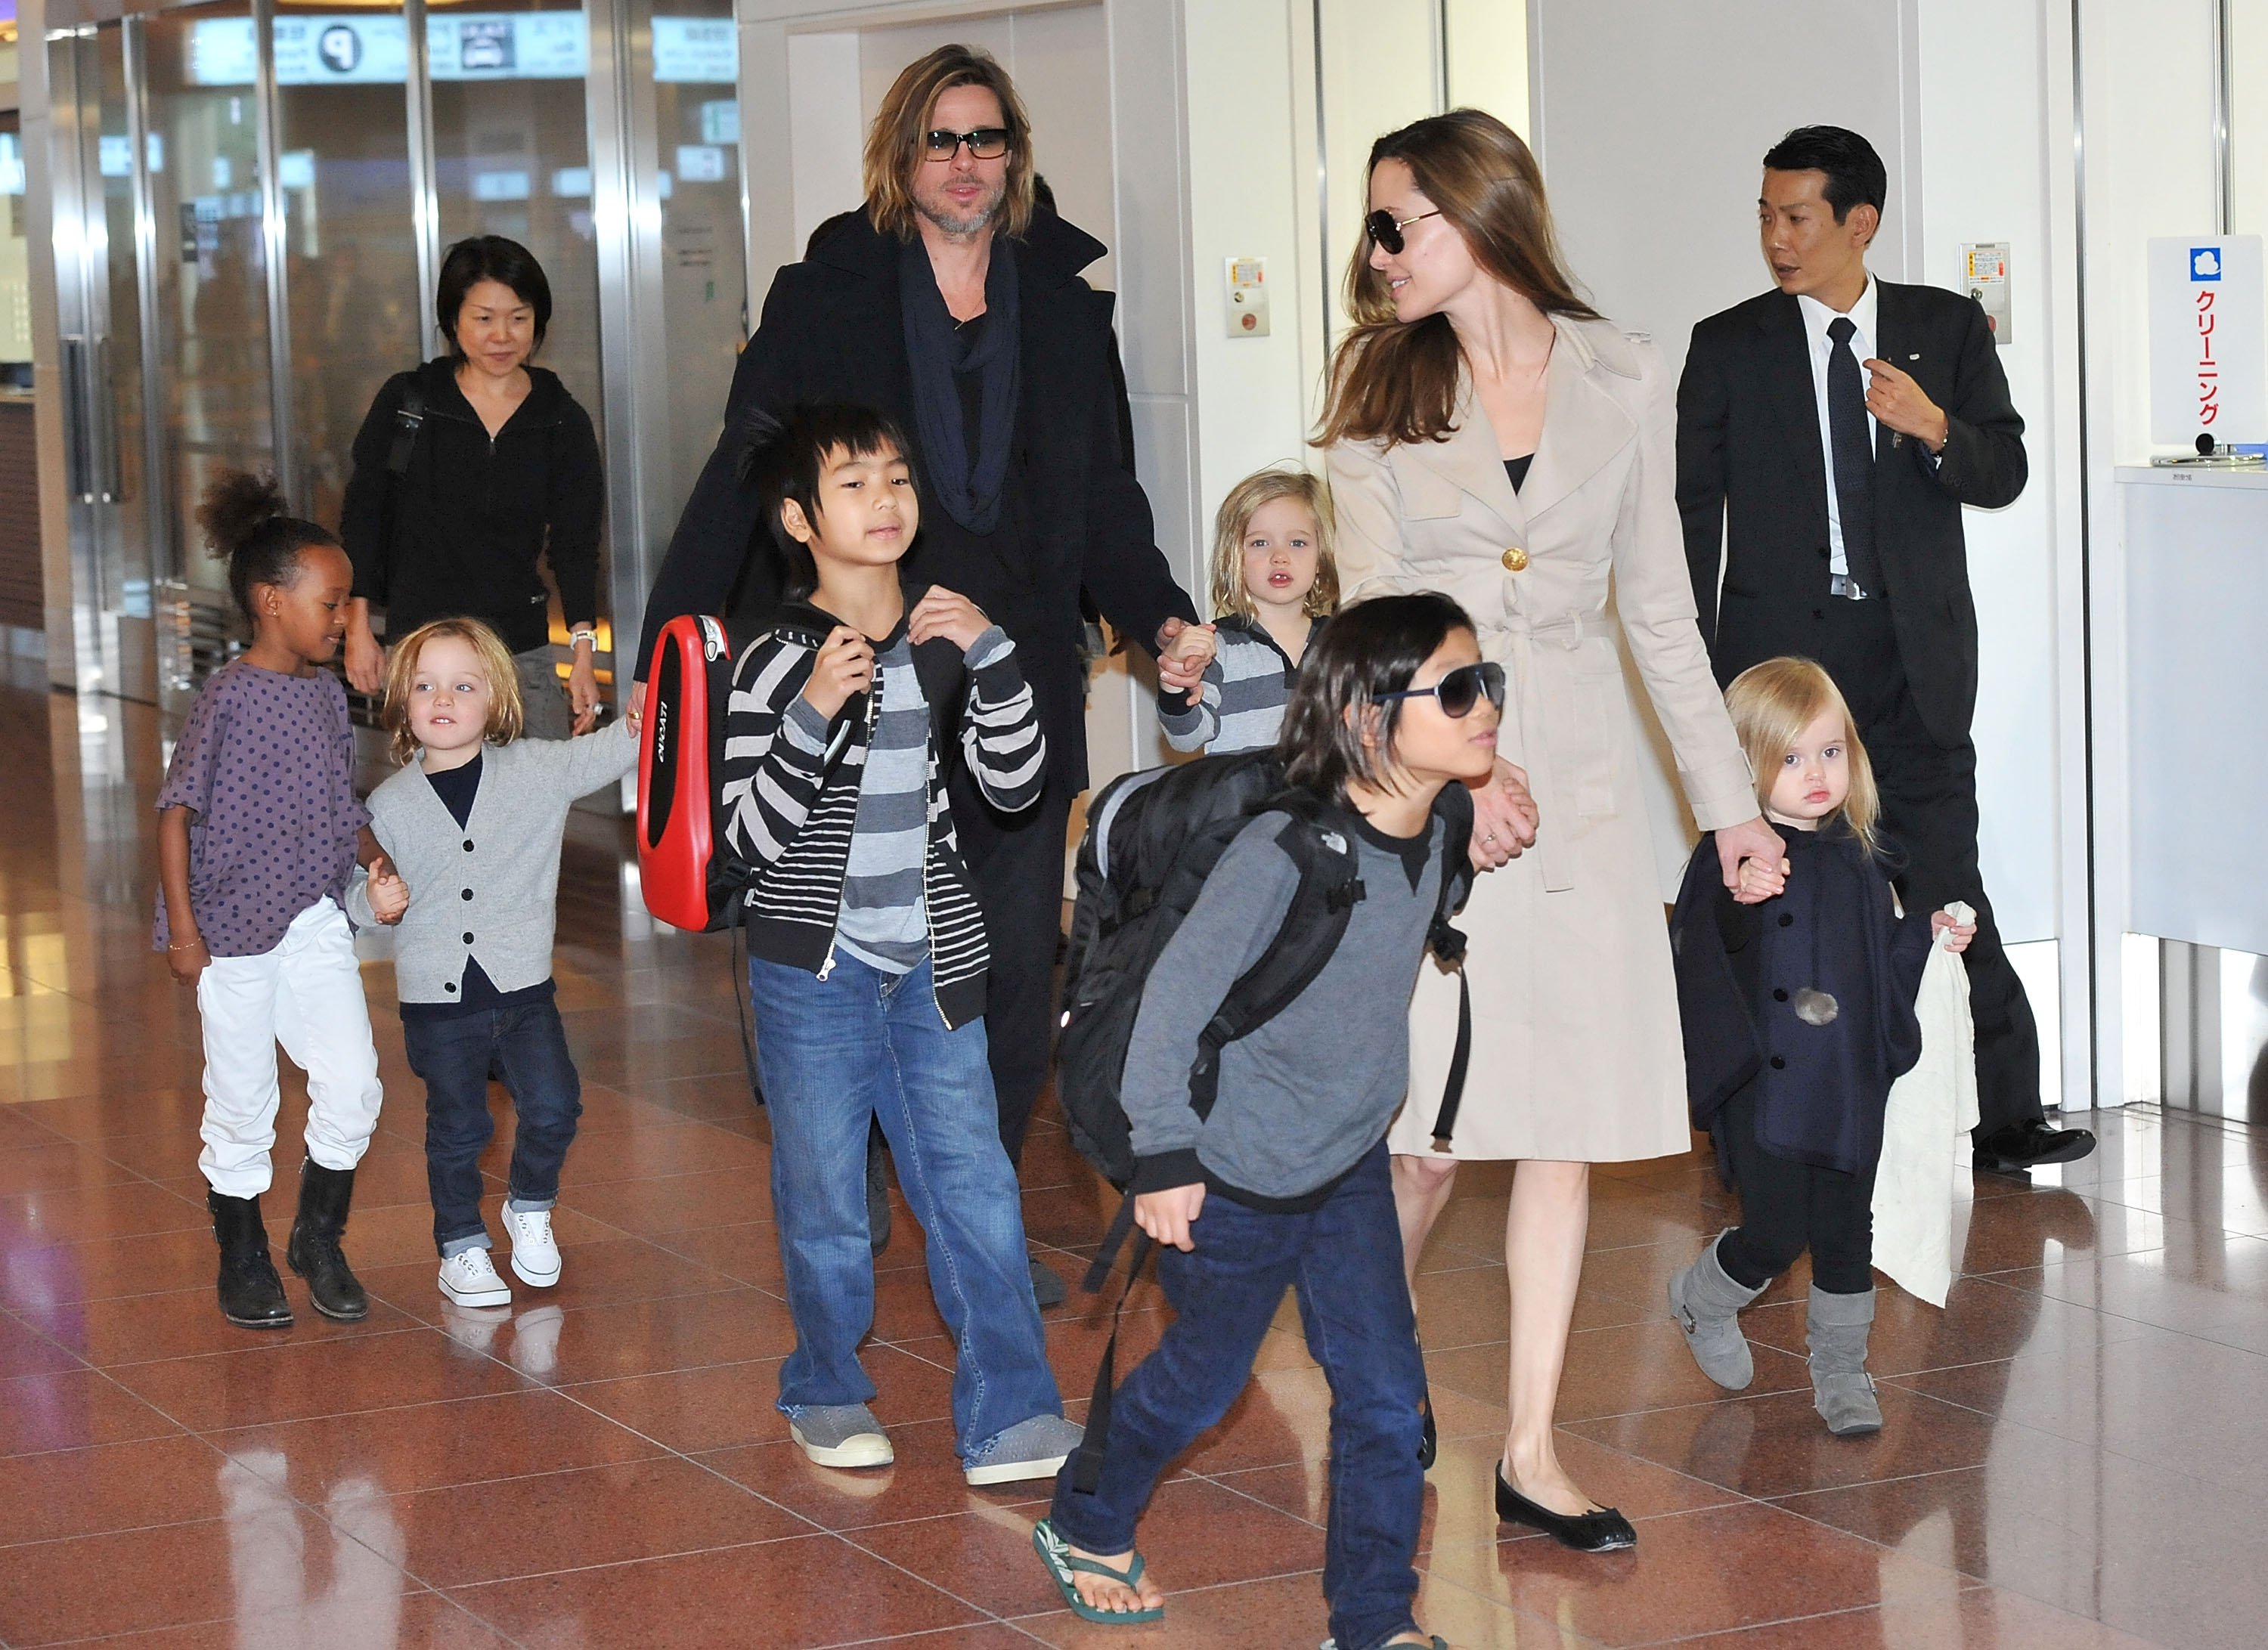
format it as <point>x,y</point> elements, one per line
<point>840,1435</point>
<point>1037,1448</point>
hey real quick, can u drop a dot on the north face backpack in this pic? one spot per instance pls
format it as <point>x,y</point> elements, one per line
<point>1152,840</point>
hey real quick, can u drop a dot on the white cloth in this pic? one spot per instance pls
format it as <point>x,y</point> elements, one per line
<point>305,994</point>
<point>1925,1133</point>
<point>1816,320</point>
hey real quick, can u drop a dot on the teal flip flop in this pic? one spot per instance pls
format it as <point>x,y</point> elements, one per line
<point>1056,1553</point>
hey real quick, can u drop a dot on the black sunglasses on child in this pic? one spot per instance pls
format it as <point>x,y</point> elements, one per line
<point>986,143</point>
<point>1460,690</point>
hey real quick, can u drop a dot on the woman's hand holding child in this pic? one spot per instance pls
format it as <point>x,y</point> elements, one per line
<point>845,666</point>
<point>1505,818</point>
<point>1167,1215</point>
<point>946,613</point>
<point>1943,922</point>
<point>1759,882</point>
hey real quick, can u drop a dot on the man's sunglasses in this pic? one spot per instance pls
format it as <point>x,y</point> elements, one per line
<point>1460,690</point>
<point>986,143</point>
<point>1384,227</point>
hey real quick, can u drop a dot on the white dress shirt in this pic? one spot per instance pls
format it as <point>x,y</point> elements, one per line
<point>1816,319</point>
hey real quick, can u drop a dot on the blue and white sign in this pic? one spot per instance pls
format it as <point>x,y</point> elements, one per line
<point>2208,340</point>
<point>509,46</point>
<point>345,50</point>
<point>700,163</point>
<point>699,51</point>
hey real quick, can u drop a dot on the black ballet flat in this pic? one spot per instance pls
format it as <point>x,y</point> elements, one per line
<point>1605,1530</point>
<point>1429,1442</point>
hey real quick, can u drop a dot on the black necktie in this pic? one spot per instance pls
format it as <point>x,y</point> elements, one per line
<point>1853,453</point>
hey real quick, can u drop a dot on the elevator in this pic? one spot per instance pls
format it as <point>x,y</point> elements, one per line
<point>251,200</point>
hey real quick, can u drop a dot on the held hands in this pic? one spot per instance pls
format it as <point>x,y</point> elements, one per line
<point>1505,818</point>
<point>845,666</point>
<point>942,612</point>
<point>387,892</point>
<point>1184,650</point>
<point>1896,400</point>
<point>1754,860</point>
<point>1942,923</point>
<point>1167,1215</point>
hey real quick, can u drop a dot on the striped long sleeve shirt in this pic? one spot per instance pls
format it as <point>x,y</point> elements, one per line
<point>1239,703</point>
<point>795,804</point>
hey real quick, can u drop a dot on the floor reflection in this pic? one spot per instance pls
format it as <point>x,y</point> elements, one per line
<point>2071,1458</point>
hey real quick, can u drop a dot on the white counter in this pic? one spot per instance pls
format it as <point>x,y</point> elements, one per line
<point>2196,574</point>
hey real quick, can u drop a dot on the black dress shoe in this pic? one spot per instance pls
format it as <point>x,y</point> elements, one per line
<point>1605,1530</point>
<point>2030,1145</point>
<point>1429,1442</point>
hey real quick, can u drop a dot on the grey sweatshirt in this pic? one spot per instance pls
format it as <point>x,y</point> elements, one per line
<point>1304,1097</point>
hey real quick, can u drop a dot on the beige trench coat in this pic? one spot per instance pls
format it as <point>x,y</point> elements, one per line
<point>1576,1052</point>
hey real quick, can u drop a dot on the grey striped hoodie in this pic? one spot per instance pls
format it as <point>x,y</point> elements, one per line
<point>792,796</point>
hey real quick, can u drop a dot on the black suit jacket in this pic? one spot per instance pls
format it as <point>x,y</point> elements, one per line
<point>1752,478</point>
<point>832,330</point>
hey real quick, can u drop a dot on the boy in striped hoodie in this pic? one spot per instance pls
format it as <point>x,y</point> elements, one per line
<point>866,947</point>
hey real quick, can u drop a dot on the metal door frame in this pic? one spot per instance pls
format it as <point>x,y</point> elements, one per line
<point>633,343</point>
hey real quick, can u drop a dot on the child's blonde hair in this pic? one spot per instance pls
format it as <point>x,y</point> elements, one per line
<point>1245,501</point>
<point>507,716</point>
<point>1771,705</point>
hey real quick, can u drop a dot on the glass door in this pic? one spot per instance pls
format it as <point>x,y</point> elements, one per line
<point>200,88</point>
<point>97,196</point>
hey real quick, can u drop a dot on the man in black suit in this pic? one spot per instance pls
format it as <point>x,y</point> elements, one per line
<point>1828,435</point>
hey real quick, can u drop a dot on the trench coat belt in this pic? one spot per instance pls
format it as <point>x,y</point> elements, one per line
<point>1526,639</point>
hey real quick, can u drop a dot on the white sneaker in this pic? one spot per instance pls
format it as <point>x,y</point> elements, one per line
<point>469,1279</point>
<point>535,1251</point>
<point>536,1341</point>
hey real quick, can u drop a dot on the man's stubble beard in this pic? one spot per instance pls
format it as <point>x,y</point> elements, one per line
<point>982,216</point>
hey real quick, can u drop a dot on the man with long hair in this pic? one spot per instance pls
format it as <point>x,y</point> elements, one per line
<point>952,302</point>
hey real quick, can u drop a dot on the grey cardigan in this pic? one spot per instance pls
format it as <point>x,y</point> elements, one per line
<point>488,890</point>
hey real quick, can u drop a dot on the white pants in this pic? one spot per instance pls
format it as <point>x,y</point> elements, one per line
<point>305,994</point>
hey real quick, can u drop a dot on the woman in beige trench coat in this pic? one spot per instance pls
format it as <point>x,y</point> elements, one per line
<point>1472,362</point>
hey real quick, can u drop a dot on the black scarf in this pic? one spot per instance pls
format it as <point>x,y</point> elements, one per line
<point>967,486</point>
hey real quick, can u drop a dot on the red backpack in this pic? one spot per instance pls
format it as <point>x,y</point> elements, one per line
<point>690,877</point>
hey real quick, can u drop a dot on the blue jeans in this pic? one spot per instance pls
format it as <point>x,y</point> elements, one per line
<point>453,1054</point>
<point>1346,1260</point>
<point>863,1045</point>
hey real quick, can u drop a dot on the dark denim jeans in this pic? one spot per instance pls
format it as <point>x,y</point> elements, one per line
<point>834,1054</point>
<point>527,1046</point>
<point>1345,1259</point>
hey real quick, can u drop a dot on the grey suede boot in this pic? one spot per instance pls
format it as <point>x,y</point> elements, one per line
<point>1705,1300</point>
<point>1841,1389</point>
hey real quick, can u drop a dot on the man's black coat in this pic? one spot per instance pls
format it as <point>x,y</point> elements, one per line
<point>1752,477</point>
<point>832,331</point>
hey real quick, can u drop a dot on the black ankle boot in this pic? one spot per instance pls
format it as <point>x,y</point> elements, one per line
<point>251,1293</point>
<point>313,1252</point>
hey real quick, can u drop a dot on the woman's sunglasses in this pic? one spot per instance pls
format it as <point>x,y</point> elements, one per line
<point>1386,229</point>
<point>1460,690</point>
<point>986,143</point>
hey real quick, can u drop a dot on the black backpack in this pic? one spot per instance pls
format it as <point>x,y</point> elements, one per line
<point>1152,840</point>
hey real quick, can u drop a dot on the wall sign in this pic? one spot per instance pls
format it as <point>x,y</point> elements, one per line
<point>2208,355</point>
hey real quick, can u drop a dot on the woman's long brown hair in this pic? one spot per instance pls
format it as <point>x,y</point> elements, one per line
<point>1397,382</point>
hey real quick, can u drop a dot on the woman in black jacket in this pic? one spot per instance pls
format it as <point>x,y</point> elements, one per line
<point>468,472</point>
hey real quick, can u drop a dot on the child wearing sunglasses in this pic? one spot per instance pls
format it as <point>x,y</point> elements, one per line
<point>1274,584</point>
<point>1284,1183</point>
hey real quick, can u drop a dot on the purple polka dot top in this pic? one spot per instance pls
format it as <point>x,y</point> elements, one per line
<point>266,766</point>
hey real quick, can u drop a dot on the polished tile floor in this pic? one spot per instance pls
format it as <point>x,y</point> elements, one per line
<point>2074,1455</point>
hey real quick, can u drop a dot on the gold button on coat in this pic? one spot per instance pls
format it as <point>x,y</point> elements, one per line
<point>1516,560</point>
